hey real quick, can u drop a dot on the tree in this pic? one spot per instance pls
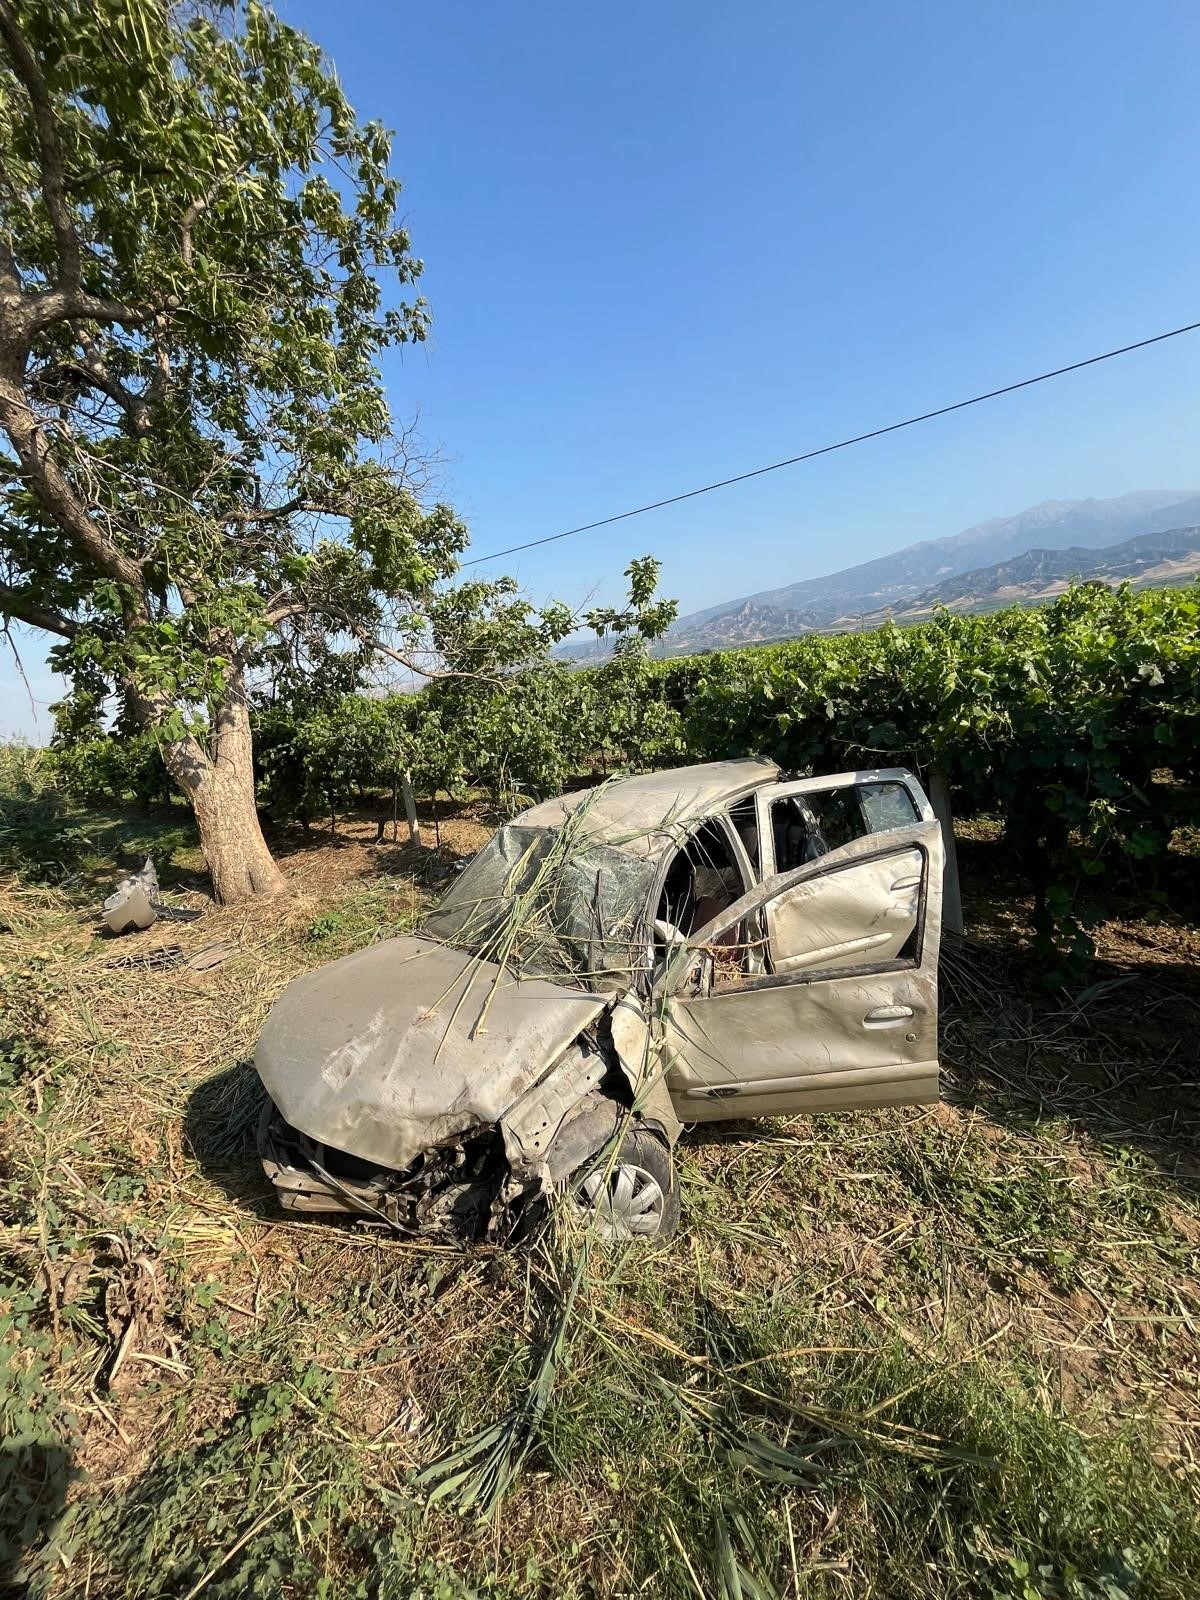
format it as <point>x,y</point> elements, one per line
<point>195,235</point>
<point>635,725</point>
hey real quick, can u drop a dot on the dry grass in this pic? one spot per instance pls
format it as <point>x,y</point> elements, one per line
<point>882,1347</point>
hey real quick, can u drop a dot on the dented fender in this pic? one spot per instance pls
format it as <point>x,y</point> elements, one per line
<point>530,1126</point>
<point>399,1047</point>
<point>562,1120</point>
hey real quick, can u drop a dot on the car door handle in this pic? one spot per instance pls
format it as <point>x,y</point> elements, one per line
<point>887,1016</point>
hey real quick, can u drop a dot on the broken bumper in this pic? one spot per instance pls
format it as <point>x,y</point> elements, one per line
<point>299,1170</point>
<point>458,1189</point>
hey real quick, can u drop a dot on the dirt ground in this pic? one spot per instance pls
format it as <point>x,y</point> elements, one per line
<point>1022,1256</point>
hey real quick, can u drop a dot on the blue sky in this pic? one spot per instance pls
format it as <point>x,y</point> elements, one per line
<point>670,242</point>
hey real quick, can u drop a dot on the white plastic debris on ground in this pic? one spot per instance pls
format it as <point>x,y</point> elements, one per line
<point>134,902</point>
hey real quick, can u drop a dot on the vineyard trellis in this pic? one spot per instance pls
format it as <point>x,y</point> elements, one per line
<point>1055,719</point>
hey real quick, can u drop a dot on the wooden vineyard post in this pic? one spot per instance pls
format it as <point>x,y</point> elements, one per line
<point>410,808</point>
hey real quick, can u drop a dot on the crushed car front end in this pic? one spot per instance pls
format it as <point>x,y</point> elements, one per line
<point>437,1083</point>
<point>414,1084</point>
<point>459,1188</point>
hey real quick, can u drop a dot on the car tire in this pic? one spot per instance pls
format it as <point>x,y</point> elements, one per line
<point>632,1195</point>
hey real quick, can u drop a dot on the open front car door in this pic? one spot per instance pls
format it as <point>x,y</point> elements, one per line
<point>817,991</point>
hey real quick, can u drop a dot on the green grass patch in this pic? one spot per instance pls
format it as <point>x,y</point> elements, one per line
<point>911,1354</point>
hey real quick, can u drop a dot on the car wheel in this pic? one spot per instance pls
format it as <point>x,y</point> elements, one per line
<point>634,1194</point>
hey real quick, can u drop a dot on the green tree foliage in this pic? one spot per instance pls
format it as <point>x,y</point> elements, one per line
<point>517,734</point>
<point>1053,719</point>
<point>203,478</point>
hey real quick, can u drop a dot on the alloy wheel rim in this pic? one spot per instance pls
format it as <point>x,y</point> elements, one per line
<point>626,1201</point>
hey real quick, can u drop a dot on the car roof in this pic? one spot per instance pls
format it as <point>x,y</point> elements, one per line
<point>645,814</point>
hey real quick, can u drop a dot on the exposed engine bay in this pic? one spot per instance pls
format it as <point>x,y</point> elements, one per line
<point>460,1189</point>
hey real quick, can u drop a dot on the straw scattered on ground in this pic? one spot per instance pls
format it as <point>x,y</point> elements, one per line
<point>930,1352</point>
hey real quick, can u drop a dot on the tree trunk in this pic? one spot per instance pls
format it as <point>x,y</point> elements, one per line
<point>221,791</point>
<point>239,862</point>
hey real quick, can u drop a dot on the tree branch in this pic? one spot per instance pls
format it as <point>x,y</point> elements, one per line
<point>54,192</point>
<point>31,313</point>
<point>38,311</point>
<point>55,491</point>
<point>22,604</point>
<point>91,373</point>
<point>398,656</point>
<point>275,513</point>
<point>10,277</point>
<point>296,607</point>
<point>199,206</point>
<point>161,376</point>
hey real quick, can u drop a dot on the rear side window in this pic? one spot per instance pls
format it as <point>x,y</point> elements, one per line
<point>808,826</point>
<point>837,816</point>
<point>886,806</point>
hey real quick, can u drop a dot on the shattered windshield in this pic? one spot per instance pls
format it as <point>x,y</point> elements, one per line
<point>550,903</point>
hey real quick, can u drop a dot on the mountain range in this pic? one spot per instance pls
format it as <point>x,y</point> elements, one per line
<point>997,562</point>
<point>1151,559</point>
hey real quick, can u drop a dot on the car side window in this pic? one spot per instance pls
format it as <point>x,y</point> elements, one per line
<point>805,827</point>
<point>703,878</point>
<point>886,805</point>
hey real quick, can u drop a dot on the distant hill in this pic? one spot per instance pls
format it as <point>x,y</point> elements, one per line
<point>845,598</point>
<point>747,623</point>
<point>1153,558</point>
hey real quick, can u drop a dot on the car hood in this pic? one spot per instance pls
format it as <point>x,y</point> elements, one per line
<point>406,1044</point>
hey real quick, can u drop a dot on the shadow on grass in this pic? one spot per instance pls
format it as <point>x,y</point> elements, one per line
<point>432,864</point>
<point>373,823</point>
<point>219,1126</point>
<point>1118,1061</point>
<point>951,1469</point>
<point>86,850</point>
<point>998,900</point>
<point>262,1504</point>
<point>34,1479</point>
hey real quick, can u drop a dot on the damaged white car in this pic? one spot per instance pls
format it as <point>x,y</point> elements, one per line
<point>691,945</point>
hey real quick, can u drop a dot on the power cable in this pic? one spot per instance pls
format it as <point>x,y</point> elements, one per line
<point>827,449</point>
